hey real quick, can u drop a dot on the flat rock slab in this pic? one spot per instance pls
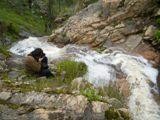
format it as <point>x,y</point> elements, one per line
<point>43,100</point>
<point>13,74</point>
<point>5,95</point>
<point>132,42</point>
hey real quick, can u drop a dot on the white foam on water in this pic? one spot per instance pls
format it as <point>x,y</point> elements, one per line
<point>101,70</point>
<point>25,46</point>
<point>139,71</point>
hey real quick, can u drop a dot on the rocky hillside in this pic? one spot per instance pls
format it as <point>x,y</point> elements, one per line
<point>123,23</point>
<point>67,96</point>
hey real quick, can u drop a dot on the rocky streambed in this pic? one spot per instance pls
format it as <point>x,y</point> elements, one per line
<point>117,79</point>
<point>117,85</point>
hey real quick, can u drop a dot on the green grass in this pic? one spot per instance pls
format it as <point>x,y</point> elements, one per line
<point>157,36</point>
<point>157,33</point>
<point>33,83</point>
<point>4,51</point>
<point>25,19</point>
<point>69,70</point>
<point>112,92</point>
<point>112,114</point>
<point>29,21</point>
<point>91,94</point>
<point>97,94</point>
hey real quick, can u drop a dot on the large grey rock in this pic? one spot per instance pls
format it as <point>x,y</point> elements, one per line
<point>110,7</point>
<point>15,61</point>
<point>13,74</point>
<point>5,95</point>
<point>43,114</point>
<point>7,113</point>
<point>99,109</point>
<point>24,34</point>
<point>90,27</point>
<point>63,101</point>
<point>75,27</point>
<point>132,42</point>
<point>150,31</point>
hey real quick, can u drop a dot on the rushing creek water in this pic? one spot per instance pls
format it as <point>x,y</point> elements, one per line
<point>102,69</point>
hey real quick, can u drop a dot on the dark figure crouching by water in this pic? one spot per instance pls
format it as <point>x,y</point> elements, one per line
<point>37,63</point>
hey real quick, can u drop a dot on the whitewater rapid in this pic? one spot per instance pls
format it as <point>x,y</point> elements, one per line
<point>102,69</point>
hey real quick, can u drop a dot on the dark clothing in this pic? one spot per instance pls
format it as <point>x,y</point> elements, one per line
<point>45,68</point>
<point>44,63</point>
<point>35,66</point>
<point>46,72</point>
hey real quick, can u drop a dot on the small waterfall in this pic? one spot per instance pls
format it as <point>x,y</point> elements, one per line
<point>102,70</point>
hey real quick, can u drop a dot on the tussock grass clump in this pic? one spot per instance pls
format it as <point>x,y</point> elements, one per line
<point>69,70</point>
<point>112,92</point>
